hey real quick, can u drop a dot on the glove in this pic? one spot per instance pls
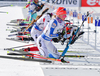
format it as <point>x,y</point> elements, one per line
<point>62,41</point>
<point>55,40</point>
<point>60,35</point>
<point>63,32</point>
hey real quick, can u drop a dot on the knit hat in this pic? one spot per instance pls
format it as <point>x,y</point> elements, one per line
<point>61,10</point>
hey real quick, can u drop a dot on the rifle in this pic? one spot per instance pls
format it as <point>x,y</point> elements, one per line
<point>75,35</point>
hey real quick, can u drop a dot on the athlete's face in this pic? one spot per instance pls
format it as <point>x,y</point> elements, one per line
<point>63,16</point>
<point>36,1</point>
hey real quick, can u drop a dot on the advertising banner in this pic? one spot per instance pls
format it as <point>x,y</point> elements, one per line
<point>64,3</point>
<point>90,3</point>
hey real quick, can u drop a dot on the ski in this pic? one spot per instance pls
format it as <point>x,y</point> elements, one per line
<point>25,38</point>
<point>26,59</point>
<point>12,24</point>
<point>41,57</point>
<point>33,55</point>
<point>6,5</point>
<point>13,39</point>
<point>23,49</point>
<point>18,25</point>
<point>17,20</point>
<point>3,12</point>
<point>11,30</point>
<point>15,34</point>
<point>34,48</point>
<point>19,34</point>
<point>18,29</point>
<point>14,31</point>
<point>18,54</point>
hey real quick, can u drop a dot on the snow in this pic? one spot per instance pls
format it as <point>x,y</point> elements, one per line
<point>14,67</point>
<point>90,65</point>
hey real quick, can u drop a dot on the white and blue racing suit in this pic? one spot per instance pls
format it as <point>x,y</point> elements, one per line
<point>39,26</point>
<point>44,43</point>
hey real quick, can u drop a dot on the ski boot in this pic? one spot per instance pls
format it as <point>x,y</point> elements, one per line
<point>64,61</point>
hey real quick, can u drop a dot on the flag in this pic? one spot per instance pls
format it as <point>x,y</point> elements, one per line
<point>90,19</point>
<point>74,14</point>
<point>97,22</point>
<point>79,16</point>
<point>83,17</point>
<point>67,12</point>
<point>70,13</point>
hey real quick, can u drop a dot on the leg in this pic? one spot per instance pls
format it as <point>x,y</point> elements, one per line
<point>53,50</point>
<point>42,47</point>
<point>34,34</point>
<point>34,16</point>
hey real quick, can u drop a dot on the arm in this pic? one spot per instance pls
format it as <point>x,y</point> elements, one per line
<point>53,26</point>
<point>27,5</point>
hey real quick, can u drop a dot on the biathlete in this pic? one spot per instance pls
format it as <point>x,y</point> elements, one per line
<point>33,7</point>
<point>38,27</point>
<point>52,30</point>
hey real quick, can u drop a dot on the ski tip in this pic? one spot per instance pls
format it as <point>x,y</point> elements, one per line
<point>8,52</point>
<point>23,56</point>
<point>13,49</point>
<point>7,12</point>
<point>11,5</point>
<point>67,62</point>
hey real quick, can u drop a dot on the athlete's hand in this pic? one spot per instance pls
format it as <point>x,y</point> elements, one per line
<point>60,36</point>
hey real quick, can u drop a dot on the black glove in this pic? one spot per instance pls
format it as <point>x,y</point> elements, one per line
<point>63,32</point>
<point>62,41</point>
<point>60,35</point>
<point>55,39</point>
